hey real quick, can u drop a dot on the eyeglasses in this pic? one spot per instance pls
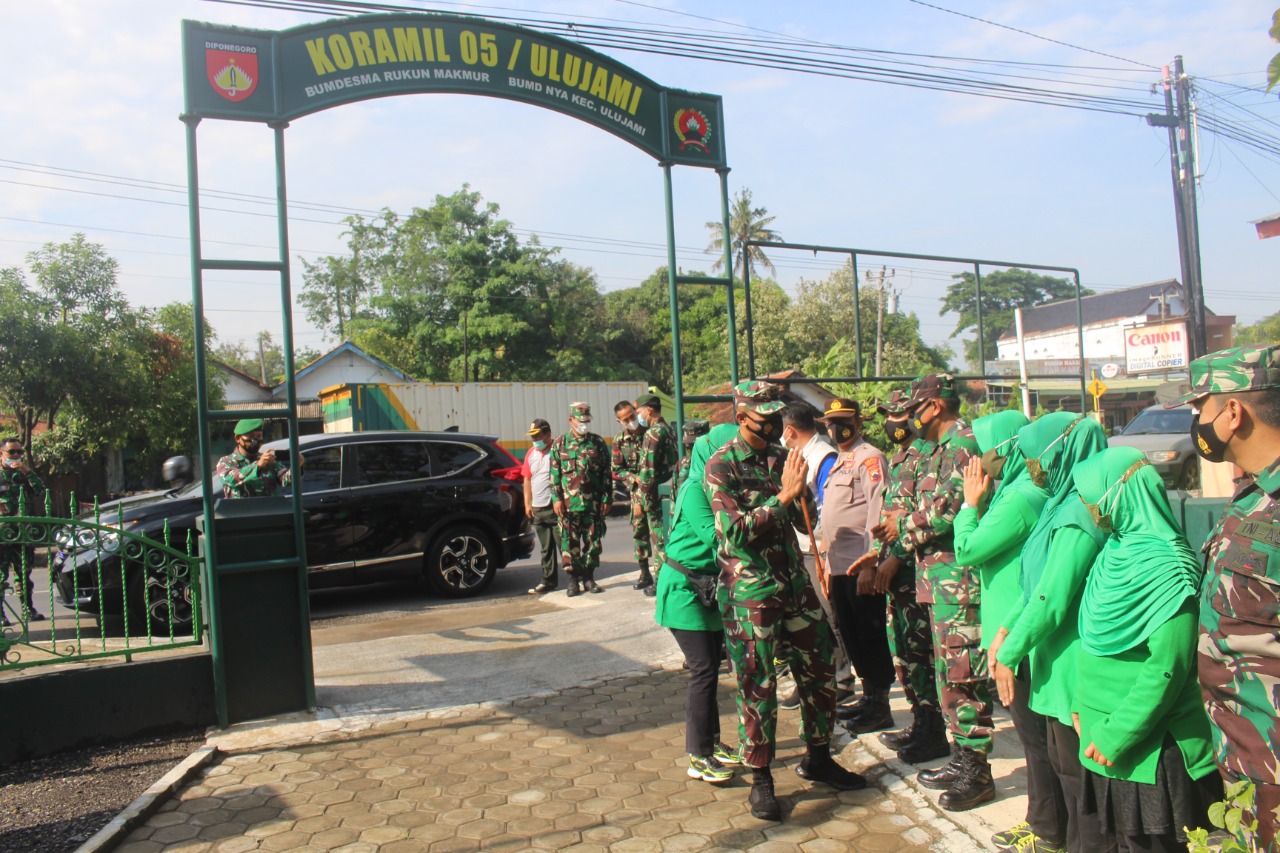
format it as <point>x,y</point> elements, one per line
<point>16,451</point>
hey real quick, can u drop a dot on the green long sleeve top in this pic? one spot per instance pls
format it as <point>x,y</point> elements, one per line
<point>1129,701</point>
<point>992,544</point>
<point>1046,626</point>
<point>691,542</point>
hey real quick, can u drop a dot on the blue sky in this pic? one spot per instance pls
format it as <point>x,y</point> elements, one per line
<point>97,88</point>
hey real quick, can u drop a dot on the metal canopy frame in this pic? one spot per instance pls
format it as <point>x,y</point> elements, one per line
<point>854,254</point>
<point>269,77</point>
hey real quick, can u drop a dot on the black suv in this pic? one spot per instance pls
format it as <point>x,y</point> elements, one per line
<point>445,506</point>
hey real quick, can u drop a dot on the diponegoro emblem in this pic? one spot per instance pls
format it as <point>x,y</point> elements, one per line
<point>693,130</point>
<point>233,75</point>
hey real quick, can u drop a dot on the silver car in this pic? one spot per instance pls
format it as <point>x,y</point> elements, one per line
<point>1165,436</point>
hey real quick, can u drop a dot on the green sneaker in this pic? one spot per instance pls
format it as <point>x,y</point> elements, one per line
<point>1032,843</point>
<point>709,769</point>
<point>1012,835</point>
<point>726,756</point>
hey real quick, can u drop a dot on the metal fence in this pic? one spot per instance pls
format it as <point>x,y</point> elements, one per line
<point>126,593</point>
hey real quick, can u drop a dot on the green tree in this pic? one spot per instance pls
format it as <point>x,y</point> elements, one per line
<point>336,289</point>
<point>745,223</point>
<point>1265,331</point>
<point>1002,292</point>
<point>1273,67</point>
<point>821,327</point>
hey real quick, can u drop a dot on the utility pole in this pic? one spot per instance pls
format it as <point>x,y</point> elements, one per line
<point>879,278</point>
<point>262,360</point>
<point>1183,170</point>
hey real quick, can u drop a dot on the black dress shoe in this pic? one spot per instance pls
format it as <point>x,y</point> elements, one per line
<point>592,586</point>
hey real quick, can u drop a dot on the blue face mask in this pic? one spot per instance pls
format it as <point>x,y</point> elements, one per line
<point>643,421</point>
<point>541,445</point>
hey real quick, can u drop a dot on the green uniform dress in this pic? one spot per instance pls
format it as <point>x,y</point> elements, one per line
<point>698,629</point>
<point>991,541</point>
<point>768,604</point>
<point>628,448</point>
<point>581,481</point>
<point>950,589</point>
<point>1138,696</point>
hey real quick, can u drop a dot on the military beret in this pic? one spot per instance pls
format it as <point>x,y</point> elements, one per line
<point>763,398</point>
<point>248,425</point>
<point>1253,368</point>
<point>651,400</point>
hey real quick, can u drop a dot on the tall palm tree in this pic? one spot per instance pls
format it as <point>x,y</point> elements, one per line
<point>745,223</point>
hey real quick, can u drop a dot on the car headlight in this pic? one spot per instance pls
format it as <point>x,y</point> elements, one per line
<point>1162,455</point>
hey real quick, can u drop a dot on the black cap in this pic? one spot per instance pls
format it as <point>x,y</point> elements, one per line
<point>538,425</point>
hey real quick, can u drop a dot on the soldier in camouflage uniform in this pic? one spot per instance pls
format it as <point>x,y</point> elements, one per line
<point>248,471</point>
<point>1237,396</point>
<point>693,429</point>
<point>628,447</point>
<point>950,591</point>
<point>581,492</point>
<point>22,492</point>
<point>756,490</point>
<point>910,638</point>
<point>657,464</point>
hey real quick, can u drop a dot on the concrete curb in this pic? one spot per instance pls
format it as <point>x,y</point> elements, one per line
<point>900,778</point>
<point>151,799</point>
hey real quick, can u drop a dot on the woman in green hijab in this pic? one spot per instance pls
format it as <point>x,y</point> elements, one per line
<point>1150,761</point>
<point>697,626</point>
<point>1033,654</point>
<point>990,530</point>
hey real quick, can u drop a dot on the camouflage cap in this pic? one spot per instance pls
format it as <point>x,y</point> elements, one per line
<point>581,411</point>
<point>932,386</point>
<point>842,409</point>
<point>695,428</point>
<point>1237,369</point>
<point>895,405</point>
<point>763,398</point>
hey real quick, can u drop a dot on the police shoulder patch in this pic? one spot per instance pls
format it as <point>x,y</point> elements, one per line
<point>874,469</point>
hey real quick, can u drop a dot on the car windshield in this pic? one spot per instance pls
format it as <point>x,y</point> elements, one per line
<point>1160,421</point>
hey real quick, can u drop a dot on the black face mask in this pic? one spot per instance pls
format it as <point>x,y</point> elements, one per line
<point>897,430</point>
<point>842,434</point>
<point>1206,440</point>
<point>919,427</point>
<point>251,446</point>
<point>768,430</point>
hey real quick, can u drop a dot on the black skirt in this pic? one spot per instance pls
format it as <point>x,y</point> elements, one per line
<point>1172,802</point>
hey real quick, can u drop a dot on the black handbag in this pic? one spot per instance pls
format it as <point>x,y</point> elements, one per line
<point>704,586</point>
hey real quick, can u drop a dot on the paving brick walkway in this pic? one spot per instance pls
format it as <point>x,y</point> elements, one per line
<point>593,768</point>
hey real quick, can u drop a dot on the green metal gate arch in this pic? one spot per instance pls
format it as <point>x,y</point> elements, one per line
<point>273,77</point>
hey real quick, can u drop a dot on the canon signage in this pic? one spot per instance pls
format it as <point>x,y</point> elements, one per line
<point>1156,347</point>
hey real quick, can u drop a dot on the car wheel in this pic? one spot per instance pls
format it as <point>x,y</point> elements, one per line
<point>163,600</point>
<point>1189,479</point>
<point>460,562</point>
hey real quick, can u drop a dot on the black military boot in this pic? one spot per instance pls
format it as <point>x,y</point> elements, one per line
<point>973,786</point>
<point>764,804</point>
<point>575,586</point>
<point>897,740</point>
<point>945,776</point>
<point>819,766</point>
<point>928,740</point>
<point>875,715</point>
<point>853,709</point>
<point>646,580</point>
